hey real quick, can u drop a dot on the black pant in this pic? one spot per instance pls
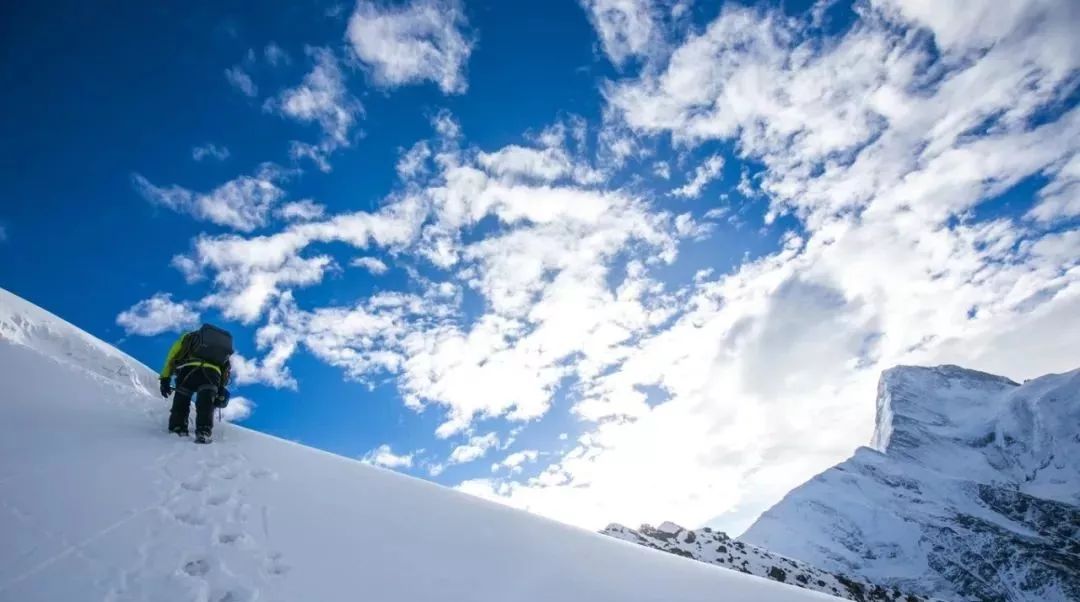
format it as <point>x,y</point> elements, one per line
<point>202,383</point>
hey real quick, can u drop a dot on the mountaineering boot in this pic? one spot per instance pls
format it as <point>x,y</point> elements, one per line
<point>179,430</point>
<point>202,436</point>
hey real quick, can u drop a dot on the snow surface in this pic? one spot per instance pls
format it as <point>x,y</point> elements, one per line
<point>97,502</point>
<point>971,491</point>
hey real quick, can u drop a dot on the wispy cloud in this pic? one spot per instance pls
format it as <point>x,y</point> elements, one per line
<point>243,203</point>
<point>708,171</point>
<point>238,77</point>
<point>627,28</point>
<point>209,151</point>
<point>276,55</point>
<point>322,98</point>
<point>372,264</point>
<point>300,211</point>
<point>476,448</point>
<point>422,40</point>
<point>413,163</point>
<point>516,461</point>
<point>1060,197</point>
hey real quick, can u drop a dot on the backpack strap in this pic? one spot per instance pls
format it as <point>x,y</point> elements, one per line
<point>177,351</point>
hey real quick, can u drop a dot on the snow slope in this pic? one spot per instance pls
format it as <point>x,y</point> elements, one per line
<point>98,503</point>
<point>714,547</point>
<point>970,492</point>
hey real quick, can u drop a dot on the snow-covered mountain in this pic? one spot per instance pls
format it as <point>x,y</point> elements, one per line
<point>97,502</point>
<point>717,548</point>
<point>971,491</point>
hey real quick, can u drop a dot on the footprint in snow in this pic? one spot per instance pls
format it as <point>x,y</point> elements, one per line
<point>198,567</point>
<point>274,564</point>
<point>235,595</point>
<point>218,498</point>
<point>229,538</point>
<point>194,485</point>
<point>263,473</point>
<point>191,517</point>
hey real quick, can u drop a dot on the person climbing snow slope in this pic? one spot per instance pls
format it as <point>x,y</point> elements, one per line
<point>200,362</point>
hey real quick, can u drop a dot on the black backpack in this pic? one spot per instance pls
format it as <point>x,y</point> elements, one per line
<point>211,344</point>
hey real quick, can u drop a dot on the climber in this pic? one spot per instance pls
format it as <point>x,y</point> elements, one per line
<point>200,361</point>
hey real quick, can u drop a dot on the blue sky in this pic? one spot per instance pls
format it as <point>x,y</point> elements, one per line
<point>647,257</point>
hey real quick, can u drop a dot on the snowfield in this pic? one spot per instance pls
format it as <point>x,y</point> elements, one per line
<point>97,502</point>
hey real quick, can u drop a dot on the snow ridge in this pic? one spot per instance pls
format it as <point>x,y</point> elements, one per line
<point>23,323</point>
<point>714,547</point>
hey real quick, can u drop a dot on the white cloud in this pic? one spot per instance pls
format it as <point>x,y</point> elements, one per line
<point>239,79</point>
<point>407,44</point>
<point>545,165</point>
<point>515,163</point>
<point>156,315</point>
<point>745,185</point>
<point>371,264</point>
<point>384,456</point>
<point>250,273</point>
<point>243,203</point>
<point>270,370</point>
<point>321,98</point>
<point>413,163</point>
<point>627,28</point>
<point>209,150</point>
<point>476,448</point>
<point>1060,198</point>
<point>708,171</point>
<point>515,461</point>
<point>276,55</point>
<point>239,408</point>
<point>978,24</point>
<point>300,211</point>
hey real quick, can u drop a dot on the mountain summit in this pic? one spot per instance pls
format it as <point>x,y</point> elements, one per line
<point>97,502</point>
<point>970,491</point>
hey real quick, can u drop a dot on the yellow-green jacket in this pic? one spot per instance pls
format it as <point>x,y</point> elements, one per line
<point>179,356</point>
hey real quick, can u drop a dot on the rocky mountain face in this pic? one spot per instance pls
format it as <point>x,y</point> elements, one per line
<point>717,548</point>
<point>969,491</point>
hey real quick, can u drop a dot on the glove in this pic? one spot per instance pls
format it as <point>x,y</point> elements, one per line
<point>222,398</point>
<point>166,386</point>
